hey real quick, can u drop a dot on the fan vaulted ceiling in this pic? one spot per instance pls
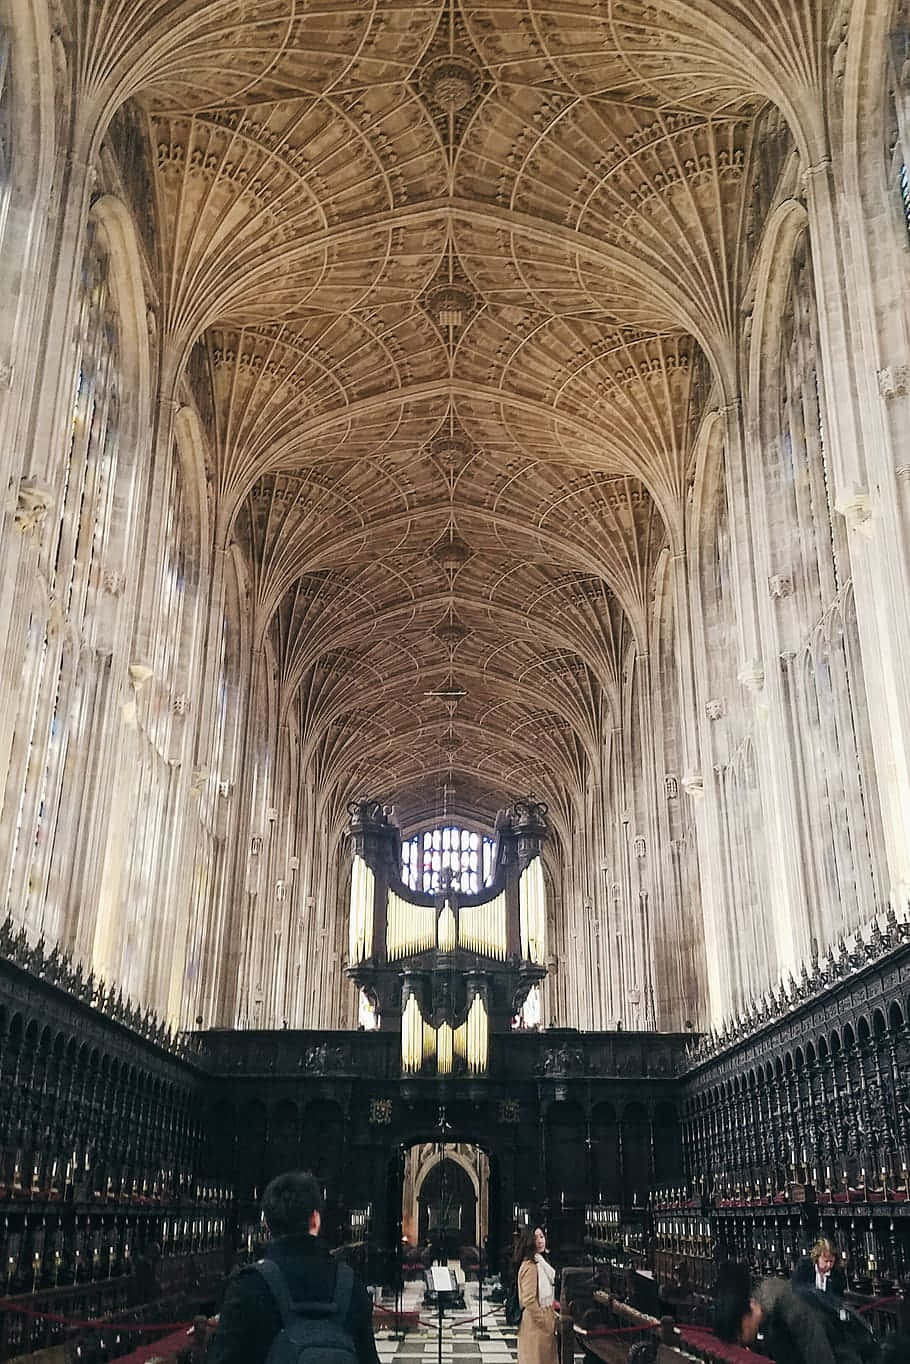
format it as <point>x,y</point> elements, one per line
<point>457,268</point>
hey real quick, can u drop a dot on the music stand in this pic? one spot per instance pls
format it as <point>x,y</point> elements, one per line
<point>441,1284</point>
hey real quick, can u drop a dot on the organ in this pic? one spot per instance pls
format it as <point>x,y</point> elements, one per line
<point>449,968</point>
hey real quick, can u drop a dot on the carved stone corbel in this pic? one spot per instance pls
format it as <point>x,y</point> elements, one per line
<point>33,501</point>
<point>893,381</point>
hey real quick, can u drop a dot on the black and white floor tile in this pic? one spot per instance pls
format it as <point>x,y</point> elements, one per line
<point>421,1345</point>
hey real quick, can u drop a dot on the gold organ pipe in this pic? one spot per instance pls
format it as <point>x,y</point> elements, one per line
<point>360,927</point>
<point>409,928</point>
<point>446,929</point>
<point>482,928</point>
<point>532,907</point>
<point>412,1048</point>
<point>444,1049</point>
<point>478,1037</point>
<point>460,1040</point>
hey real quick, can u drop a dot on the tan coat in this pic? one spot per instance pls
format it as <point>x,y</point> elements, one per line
<point>537,1332</point>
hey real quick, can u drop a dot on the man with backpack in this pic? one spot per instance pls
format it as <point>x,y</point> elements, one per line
<point>296,1305</point>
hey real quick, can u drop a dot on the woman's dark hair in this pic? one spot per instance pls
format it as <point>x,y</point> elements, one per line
<point>733,1291</point>
<point>289,1202</point>
<point>524,1246</point>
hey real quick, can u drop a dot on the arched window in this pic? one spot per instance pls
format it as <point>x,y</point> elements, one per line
<point>824,678</point>
<point>166,704</point>
<point>138,938</point>
<point>748,944</point>
<point>898,111</point>
<point>252,990</point>
<point>465,855</point>
<point>6,131</point>
<point>751,941</point>
<point>67,666</point>
<point>207,891</point>
<point>678,944</point>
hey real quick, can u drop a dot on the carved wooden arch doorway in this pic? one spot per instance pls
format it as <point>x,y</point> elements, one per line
<point>445,1198</point>
<point>457,1217</point>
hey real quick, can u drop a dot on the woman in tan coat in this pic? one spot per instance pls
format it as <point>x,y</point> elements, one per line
<point>536,1278</point>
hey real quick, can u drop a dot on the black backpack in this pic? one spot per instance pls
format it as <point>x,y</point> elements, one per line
<point>311,1332</point>
<point>514,1309</point>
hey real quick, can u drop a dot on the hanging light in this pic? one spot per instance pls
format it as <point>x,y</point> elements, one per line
<point>450,692</point>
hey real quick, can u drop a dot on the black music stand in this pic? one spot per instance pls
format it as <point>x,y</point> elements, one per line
<point>441,1284</point>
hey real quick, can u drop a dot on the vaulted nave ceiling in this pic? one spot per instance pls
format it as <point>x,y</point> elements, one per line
<point>461,271</point>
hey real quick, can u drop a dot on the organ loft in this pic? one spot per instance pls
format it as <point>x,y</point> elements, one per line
<point>447,965</point>
<point>454,641</point>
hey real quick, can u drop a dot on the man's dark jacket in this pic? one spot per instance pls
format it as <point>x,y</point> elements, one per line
<point>250,1319</point>
<point>804,1277</point>
<point>793,1331</point>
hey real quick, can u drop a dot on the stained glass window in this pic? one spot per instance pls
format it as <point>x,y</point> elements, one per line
<point>466,856</point>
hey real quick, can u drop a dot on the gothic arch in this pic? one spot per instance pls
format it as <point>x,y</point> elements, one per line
<point>457,1158</point>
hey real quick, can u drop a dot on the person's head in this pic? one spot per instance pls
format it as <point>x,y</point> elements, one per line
<point>540,1240</point>
<point>824,1255</point>
<point>737,1315</point>
<point>524,1246</point>
<point>292,1204</point>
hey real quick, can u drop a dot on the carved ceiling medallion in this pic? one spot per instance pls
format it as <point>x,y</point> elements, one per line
<point>451,82</point>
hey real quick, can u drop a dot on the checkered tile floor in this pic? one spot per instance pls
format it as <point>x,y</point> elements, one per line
<point>458,1344</point>
<point>421,1346</point>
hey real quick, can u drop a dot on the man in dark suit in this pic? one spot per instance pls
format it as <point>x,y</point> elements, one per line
<point>821,1281</point>
<point>821,1270</point>
<point>250,1316</point>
